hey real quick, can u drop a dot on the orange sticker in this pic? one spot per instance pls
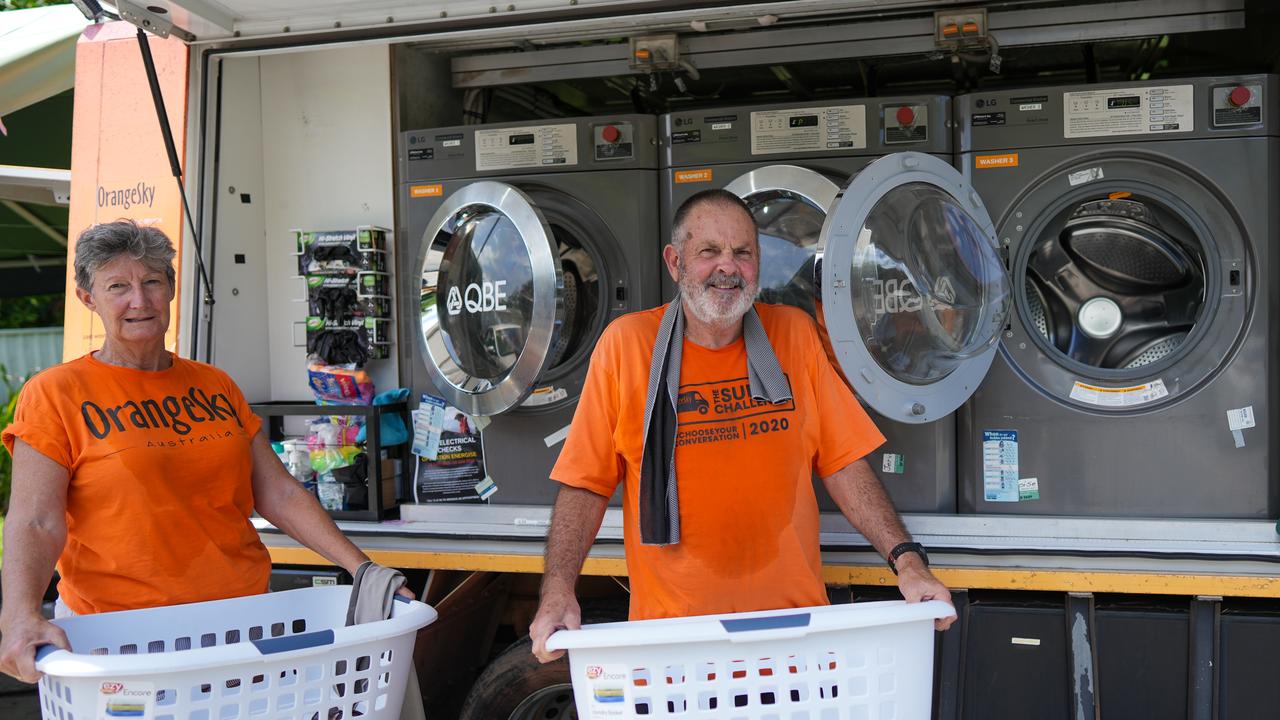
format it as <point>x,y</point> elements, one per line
<point>1006,160</point>
<point>692,176</point>
<point>426,191</point>
<point>1120,195</point>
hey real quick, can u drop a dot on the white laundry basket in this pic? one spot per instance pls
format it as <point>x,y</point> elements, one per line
<point>865,661</point>
<point>278,656</point>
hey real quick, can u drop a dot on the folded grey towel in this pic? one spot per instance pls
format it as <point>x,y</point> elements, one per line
<point>372,591</point>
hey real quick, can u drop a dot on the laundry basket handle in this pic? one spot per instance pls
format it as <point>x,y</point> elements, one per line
<point>288,643</point>
<point>761,628</point>
<point>44,651</point>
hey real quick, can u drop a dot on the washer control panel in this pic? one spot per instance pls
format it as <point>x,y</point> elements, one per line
<point>613,141</point>
<point>905,123</point>
<point>1236,105</point>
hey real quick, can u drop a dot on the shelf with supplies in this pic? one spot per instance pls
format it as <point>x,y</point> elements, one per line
<point>387,470</point>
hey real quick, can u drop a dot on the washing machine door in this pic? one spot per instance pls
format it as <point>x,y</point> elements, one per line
<point>491,297</point>
<point>914,291</point>
<point>789,204</point>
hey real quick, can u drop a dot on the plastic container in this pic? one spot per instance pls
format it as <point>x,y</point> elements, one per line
<point>864,661</point>
<point>275,656</point>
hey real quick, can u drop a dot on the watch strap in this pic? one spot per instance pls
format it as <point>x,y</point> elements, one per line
<point>902,548</point>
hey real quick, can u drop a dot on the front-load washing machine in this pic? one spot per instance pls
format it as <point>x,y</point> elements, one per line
<point>788,162</point>
<point>1137,374</point>
<point>524,241</point>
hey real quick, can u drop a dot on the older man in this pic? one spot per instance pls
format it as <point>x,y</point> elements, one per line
<point>714,412</point>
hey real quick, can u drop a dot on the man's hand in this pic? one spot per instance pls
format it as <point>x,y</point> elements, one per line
<point>558,611</point>
<point>21,636</point>
<point>917,584</point>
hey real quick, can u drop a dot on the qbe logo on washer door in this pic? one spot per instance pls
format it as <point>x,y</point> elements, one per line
<point>477,297</point>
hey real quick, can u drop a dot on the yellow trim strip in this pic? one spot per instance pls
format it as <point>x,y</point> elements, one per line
<point>971,578</point>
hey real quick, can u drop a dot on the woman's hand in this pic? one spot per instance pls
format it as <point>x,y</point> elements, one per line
<point>22,635</point>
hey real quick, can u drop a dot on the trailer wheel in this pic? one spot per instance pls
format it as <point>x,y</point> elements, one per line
<point>515,686</point>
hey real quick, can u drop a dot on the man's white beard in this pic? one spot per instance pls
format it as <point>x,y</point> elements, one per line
<point>703,302</point>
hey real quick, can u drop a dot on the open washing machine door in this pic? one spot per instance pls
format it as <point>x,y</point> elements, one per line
<point>492,297</point>
<point>914,291</point>
<point>790,205</point>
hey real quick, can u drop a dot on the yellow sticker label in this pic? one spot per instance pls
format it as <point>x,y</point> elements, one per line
<point>426,191</point>
<point>1007,160</point>
<point>693,176</point>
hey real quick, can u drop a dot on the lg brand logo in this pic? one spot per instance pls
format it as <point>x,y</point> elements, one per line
<point>477,297</point>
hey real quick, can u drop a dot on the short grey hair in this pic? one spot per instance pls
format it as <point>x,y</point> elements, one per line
<point>714,197</point>
<point>104,242</point>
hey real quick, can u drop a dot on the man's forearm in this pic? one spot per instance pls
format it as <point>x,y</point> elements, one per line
<point>574,524</point>
<point>865,504</point>
<point>33,550</point>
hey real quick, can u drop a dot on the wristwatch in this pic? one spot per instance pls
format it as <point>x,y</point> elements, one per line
<point>906,547</point>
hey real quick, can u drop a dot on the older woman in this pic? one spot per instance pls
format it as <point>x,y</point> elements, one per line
<point>136,470</point>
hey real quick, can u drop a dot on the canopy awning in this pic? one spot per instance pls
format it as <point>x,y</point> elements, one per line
<point>37,54</point>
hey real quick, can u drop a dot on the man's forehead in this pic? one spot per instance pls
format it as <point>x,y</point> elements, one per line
<point>723,223</point>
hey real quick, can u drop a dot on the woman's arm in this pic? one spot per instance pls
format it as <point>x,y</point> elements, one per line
<point>285,503</point>
<point>34,533</point>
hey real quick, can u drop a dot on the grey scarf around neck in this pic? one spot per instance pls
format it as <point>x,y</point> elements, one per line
<point>659,492</point>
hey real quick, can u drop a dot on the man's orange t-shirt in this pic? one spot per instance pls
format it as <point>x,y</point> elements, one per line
<point>748,515</point>
<point>160,494</point>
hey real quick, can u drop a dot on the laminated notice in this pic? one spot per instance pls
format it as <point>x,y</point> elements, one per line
<point>1239,420</point>
<point>1128,111</point>
<point>1081,177</point>
<point>1028,489</point>
<point>607,687</point>
<point>134,700</point>
<point>428,422</point>
<point>839,127</point>
<point>893,463</point>
<point>1119,397</point>
<point>1000,465</point>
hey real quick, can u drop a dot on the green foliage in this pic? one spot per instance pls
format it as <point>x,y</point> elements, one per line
<point>32,311</point>
<point>6,460</point>
<point>24,4</point>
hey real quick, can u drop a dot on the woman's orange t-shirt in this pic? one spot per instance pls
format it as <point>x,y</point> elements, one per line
<point>748,515</point>
<point>160,491</point>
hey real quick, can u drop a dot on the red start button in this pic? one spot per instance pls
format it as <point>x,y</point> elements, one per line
<point>610,134</point>
<point>906,116</point>
<point>1240,96</point>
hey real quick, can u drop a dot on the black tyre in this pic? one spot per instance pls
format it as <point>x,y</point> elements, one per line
<point>515,686</point>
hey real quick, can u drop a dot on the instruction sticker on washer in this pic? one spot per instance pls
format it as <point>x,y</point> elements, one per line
<point>893,463</point>
<point>1119,397</point>
<point>608,688</point>
<point>1128,111</point>
<point>526,147</point>
<point>1081,177</point>
<point>428,422</point>
<point>1000,465</point>
<point>1028,489</point>
<point>134,700</point>
<point>817,128</point>
<point>1238,421</point>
